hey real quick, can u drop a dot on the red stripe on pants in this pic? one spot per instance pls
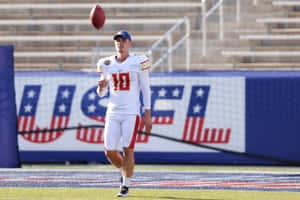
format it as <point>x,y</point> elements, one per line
<point>136,126</point>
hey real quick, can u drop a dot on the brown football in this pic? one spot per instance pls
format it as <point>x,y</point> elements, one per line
<point>97,17</point>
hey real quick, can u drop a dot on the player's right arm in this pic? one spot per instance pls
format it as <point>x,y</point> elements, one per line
<point>103,82</point>
<point>102,87</point>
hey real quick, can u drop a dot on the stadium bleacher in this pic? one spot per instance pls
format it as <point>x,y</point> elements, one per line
<point>277,48</point>
<point>63,26</point>
<point>267,30</point>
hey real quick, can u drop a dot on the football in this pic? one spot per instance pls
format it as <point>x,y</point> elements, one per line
<point>97,17</point>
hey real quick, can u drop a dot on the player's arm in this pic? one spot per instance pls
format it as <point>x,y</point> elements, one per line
<point>146,91</point>
<point>147,121</point>
<point>103,82</point>
<point>145,87</point>
<point>102,87</point>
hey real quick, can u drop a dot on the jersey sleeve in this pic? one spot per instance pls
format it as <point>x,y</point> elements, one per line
<point>144,62</point>
<point>144,81</point>
<point>99,66</point>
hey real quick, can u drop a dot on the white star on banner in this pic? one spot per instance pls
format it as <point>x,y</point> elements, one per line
<point>197,108</point>
<point>92,96</point>
<point>92,108</point>
<point>65,93</point>
<point>162,92</point>
<point>31,94</point>
<point>200,92</point>
<point>62,108</point>
<point>176,92</point>
<point>28,108</point>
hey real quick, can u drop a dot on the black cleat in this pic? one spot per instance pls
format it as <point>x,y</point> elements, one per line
<point>123,191</point>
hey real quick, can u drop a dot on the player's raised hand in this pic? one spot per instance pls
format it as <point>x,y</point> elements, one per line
<point>102,84</point>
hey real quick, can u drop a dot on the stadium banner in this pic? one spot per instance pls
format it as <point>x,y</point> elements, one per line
<point>217,109</point>
<point>9,155</point>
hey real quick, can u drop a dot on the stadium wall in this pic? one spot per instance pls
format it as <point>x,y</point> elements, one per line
<point>253,115</point>
<point>8,123</point>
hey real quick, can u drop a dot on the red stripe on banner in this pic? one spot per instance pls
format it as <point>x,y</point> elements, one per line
<point>20,126</point>
<point>20,120</point>
<point>53,122</point>
<point>31,123</point>
<point>60,122</point>
<point>220,136</point>
<point>99,137</point>
<point>93,130</point>
<point>200,127</point>
<point>43,140</point>
<point>96,136</point>
<point>170,121</point>
<point>191,139</point>
<point>19,123</point>
<point>78,132</point>
<point>66,122</point>
<point>136,126</point>
<point>162,120</point>
<point>213,135</point>
<point>30,135</point>
<point>206,132</point>
<point>35,137</point>
<point>85,132</point>
<point>227,135</point>
<point>186,126</point>
<point>25,119</point>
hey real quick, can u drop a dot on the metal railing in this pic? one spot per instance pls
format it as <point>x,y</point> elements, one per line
<point>166,53</point>
<point>205,15</point>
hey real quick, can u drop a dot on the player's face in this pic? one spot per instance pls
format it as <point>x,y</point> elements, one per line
<point>122,45</point>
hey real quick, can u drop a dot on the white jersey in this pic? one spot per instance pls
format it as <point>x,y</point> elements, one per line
<point>126,80</point>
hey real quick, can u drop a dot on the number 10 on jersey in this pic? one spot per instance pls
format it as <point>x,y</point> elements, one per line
<point>121,81</point>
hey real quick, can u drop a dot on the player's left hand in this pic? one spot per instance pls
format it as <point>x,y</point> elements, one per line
<point>147,123</point>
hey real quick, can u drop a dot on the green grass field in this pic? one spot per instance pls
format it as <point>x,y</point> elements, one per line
<point>138,194</point>
<point>147,194</point>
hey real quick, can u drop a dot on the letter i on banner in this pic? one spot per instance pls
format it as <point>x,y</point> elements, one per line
<point>194,123</point>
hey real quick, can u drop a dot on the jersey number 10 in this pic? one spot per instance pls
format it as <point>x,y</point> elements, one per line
<point>121,81</point>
